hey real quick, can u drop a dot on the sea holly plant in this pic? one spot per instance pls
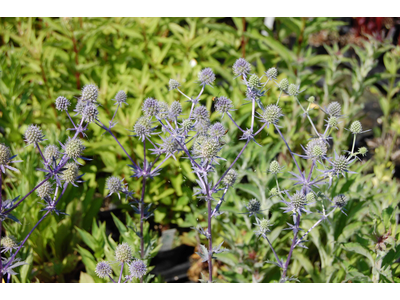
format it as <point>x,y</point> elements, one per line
<point>124,257</point>
<point>60,165</point>
<point>207,141</point>
<point>143,130</point>
<point>311,187</point>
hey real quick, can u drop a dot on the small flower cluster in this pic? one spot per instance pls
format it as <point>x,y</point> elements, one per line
<point>123,255</point>
<point>60,166</point>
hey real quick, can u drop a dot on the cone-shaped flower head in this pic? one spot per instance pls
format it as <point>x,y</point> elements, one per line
<point>45,190</point>
<point>272,73</point>
<point>230,178</point>
<point>223,105</point>
<point>334,109</point>
<point>51,153</point>
<point>175,110</point>
<point>90,92</point>
<point>70,173</point>
<point>62,103</point>
<point>103,269</point>
<point>206,76</point>
<point>241,67</point>
<point>151,107</point>
<point>73,148</point>
<point>137,268</point>
<point>33,135</point>
<point>173,84</point>
<point>123,253</point>
<point>120,98</point>
<point>201,115</point>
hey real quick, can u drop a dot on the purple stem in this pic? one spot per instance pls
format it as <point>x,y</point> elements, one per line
<point>120,274</point>
<point>41,154</point>
<point>160,164</point>
<point>182,146</point>
<point>112,119</point>
<point>70,118</point>
<point>209,217</point>
<point>210,252</point>
<point>230,116</point>
<point>111,279</point>
<point>259,130</point>
<point>22,199</point>
<point>141,218</point>
<point>26,238</point>
<point>226,172</point>
<point>290,151</point>
<point>110,132</point>
<point>291,247</point>
<point>63,162</point>
<point>273,250</point>
<point>24,241</point>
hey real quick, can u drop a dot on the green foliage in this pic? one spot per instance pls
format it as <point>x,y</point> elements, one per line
<point>44,58</point>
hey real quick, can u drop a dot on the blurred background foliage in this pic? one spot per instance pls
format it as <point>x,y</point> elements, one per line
<point>345,60</point>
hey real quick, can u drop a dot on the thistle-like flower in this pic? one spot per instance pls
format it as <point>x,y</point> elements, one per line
<point>137,268</point>
<point>310,197</point>
<point>293,89</point>
<point>70,173</point>
<point>33,135</point>
<point>363,151</point>
<point>253,207</point>
<point>115,185</point>
<point>198,144</point>
<point>151,107</point>
<point>340,165</point>
<point>62,103</point>
<point>334,109</point>
<point>210,148</point>
<point>173,84</point>
<point>103,269</point>
<point>254,81</point>
<point>230,178</point>
<point>217,130</point>
<point>206,76</point>
<point>90,93</point>
<point>90,112</point>
<point>315,149</point>
<point>332,122</point>
<point>6,159</point>
<point>186,125</point>
<point>8,244</point>
<point>223,105</point>
<point>120,98</point>
<point>263,227</point>
<point>284,84</point>
<point>73,148</point>
<point>340,201</point>
<point>356,128</point>
<point>163,110</point>
<point>79,107</point>
<point>45,190</point>
<point>271,73</point>
<point>175,110</point>
<point>201,114</point>
<point>142,128</point>
<point>274,167</point>
<point>241,67</point>
<point>123,253</point>
<point>271,114</point>
<point>297,203</point>
<point>169,146</point>
<point>51,153</point>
